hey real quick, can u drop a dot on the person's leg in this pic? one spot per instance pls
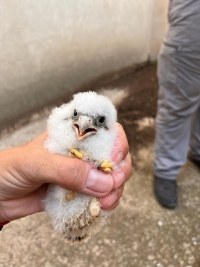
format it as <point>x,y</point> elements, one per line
<point>195,140</point>
<point>171,143</point>
<point>179,98</point>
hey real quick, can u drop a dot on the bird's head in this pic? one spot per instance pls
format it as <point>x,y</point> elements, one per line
<point>88,114</point>
<point>91,113</point>
<point>86,125</point>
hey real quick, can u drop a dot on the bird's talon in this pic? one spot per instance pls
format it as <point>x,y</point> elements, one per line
<point>76,153</point>
<point>70,195</point>
<point>106,166</point>
<point>107,170</point>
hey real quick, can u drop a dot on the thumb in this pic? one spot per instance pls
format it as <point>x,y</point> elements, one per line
<point>40,166</point>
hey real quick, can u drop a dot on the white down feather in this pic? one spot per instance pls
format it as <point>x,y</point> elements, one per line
<point>72,218</point>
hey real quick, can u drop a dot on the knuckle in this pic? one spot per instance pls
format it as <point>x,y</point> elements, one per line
<point>120,191</point>
<point>113,197</point>
<point>105,202</point>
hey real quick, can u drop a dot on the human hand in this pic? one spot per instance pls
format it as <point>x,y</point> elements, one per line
<point>122,173</point>
<point>26,171</point>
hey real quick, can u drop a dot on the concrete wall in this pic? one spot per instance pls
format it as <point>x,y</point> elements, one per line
<point>51,47</point>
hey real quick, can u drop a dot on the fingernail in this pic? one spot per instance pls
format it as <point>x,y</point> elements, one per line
<point>119,157</point>
<point>119,179</point>
<point>99,182</point>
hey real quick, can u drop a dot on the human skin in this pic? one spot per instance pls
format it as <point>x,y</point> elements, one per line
<point>26,171</point>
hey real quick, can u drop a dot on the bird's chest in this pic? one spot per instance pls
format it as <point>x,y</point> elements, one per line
<point>94,151</point>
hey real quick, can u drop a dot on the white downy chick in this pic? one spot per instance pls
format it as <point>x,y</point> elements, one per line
<point>84,128</point>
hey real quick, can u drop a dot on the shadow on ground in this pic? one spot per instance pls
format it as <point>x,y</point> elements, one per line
<point>139,233</point>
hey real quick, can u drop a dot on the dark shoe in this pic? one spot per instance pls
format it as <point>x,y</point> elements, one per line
<point>165,192</point>
<point>195,162</point>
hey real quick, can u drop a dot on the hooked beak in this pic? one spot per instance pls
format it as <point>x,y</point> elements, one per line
<point>84,126</point>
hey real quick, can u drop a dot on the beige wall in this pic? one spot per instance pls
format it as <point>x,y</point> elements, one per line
<point>158,26</point>
<point>48,47</point>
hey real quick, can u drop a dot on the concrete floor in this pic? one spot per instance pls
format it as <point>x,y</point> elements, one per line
<point>139,233</point>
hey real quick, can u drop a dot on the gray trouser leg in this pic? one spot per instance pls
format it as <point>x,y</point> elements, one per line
<point>179,98</point>
<point>172,139</point>
<point>179,90</point>
<point>195,140</point>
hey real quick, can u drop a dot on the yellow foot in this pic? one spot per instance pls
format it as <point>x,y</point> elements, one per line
<point>76,153</point>
<point>70,195</point>
<point>94,207</point>
<point>106,166</point>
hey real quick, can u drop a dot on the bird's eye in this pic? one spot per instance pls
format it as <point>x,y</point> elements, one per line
<point>101,121</point>
<point>75,114</point>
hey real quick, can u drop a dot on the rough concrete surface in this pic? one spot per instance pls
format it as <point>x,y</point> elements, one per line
<point>139,233</point>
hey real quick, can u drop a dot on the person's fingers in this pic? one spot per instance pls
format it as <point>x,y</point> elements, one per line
<point>113,206</point>
<point>123,172</point>
<point>23,206</point>
<point>120,177</point>
<point>121,146</point>
<point>113,197</point>
<point>73,174</point>
<point>40,166</point>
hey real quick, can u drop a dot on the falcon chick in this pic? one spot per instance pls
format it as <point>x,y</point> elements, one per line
<point>83,128</point>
